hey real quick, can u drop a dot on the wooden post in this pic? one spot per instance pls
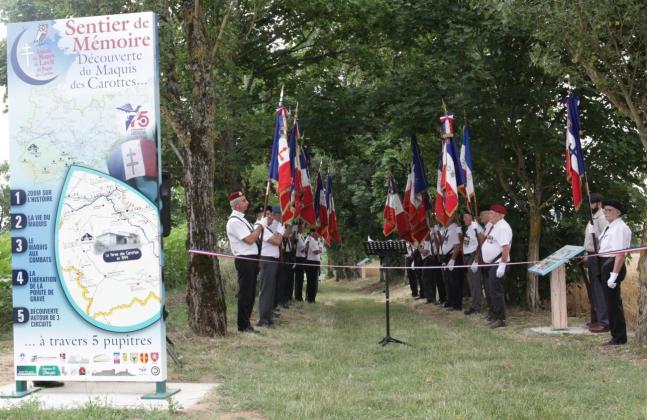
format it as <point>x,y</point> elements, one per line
<point>558,298</point>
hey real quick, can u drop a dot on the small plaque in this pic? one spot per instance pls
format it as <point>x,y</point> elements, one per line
<point>556,259</point>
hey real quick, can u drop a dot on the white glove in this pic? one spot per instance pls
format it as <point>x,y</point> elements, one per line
<point>612,280</point>
<point>500,271</point>
<point>450,265</point>
<point>474,267</point>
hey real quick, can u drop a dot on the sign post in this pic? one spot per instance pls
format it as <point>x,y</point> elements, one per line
<point>85,176</point>
<point>554,264</point>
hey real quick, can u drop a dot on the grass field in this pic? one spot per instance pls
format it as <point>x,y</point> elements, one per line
<point>323,361</point>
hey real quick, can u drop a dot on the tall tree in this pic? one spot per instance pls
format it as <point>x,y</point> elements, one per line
<point>602,44</point>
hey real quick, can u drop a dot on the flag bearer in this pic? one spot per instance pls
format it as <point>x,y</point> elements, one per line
<point>474,277</point>
<point>496,250</point>
<point>616,236</point>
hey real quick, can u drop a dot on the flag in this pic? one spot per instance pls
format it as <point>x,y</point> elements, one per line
<point>279,170</point>
<point>468,167</point>
<point>574,157</point>
<point>132,159</point>
<point>296,192</point>
<point>439,207</point>
<point>307,211</point>
<point>333,233</point>
<point>394,216</point>
<point>321,208</point>
<point>418,197</point>
<point>333,228</point>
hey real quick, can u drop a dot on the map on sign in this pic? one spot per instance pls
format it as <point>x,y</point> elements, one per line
<point>107,243</point>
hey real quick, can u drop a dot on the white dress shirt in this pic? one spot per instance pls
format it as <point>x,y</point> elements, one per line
<point>238,228</point>
<point>615,236</point>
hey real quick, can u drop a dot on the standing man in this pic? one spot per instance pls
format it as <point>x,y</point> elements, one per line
<point>411,275</point>
<point>299,270</point>
<point>270,253</point>
<point>593,264</point>
<point>242,241</point>
<point>474,277</point>
<point>616,236</point>
<point>485,216</point>
<point>428,276</point>
<point>451,278</point>
<point>281,294</point>
<point>313,258</point>
<point>496,249</point>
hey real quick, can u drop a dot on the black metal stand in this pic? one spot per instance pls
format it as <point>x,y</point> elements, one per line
<point>384,249</point>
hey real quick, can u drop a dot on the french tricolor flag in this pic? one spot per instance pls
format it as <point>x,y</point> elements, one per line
<point>133,159</point>
<point>394,216</point>
<point>574,156</point>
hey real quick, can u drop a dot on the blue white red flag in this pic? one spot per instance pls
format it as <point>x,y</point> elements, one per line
<point>466,164</point>
<point>279,169</point>
<point>394,216</point>
<point>574,157</point>
<point>321,208</point>
<point>132,159</point>
<point>439,207</point>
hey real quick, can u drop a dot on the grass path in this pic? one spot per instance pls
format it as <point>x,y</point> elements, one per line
<point>323,361</point>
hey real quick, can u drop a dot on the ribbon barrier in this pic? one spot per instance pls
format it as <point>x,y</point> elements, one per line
<point>631,250</point>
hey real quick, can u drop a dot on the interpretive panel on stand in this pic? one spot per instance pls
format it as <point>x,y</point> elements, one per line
<point>85,160</point>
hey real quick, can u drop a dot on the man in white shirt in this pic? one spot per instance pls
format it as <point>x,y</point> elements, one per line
<point>299,270</point>
<point>284,270</point>
<point>450,254</point>
<point>485,216</point>
<point>313,257</point>
<point>270,252</point>
<point>474,277</point>
<point>600,323</point>
<point>616,236</point>
<point>409,270</point>
<point>242,241</point>
<point>496,249</point>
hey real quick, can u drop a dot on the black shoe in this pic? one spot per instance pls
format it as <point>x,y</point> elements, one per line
<point>249,329</point>
<point>263,324</point>
<point>419,297</point>
<point>470,311</point>
<point>499,324</point>
<point>612,342</point>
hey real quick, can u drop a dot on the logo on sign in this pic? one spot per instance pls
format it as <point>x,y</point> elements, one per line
<point>155,356</point>
<point>143,357</point>
<point>155,371</point>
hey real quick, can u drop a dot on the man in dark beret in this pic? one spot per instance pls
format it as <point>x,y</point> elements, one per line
<point>616,236</point>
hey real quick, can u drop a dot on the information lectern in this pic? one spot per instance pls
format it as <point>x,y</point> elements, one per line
<point>385,249</point>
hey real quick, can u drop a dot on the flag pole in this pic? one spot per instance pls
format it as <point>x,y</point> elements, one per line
<point>267,188</point>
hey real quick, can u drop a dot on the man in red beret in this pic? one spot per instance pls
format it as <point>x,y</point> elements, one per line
<point>496,250</point>
<point>242,241</point>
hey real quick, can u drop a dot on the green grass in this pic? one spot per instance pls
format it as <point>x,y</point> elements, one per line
<point>324,362</point>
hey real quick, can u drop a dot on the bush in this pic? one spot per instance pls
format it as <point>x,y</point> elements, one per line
<point>175,257</point>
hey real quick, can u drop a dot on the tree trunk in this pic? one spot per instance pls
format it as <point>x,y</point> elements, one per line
<point>641,326</point>
<point>534,237</point>
<point>205,293</point>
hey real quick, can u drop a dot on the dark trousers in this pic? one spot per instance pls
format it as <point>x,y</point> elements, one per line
<point>497,293</point>
<point>312,280</point>
<point>594,265</point>
<point>617,324</point>
<point>438,282</point>
<point>485,278</point>
<point>281,285</point>
<point>411,276</point>
<point>418,274</point>
<point>299,273</point>
<point>246,272</point>
<point>453,281</point>
<point>429,279</point>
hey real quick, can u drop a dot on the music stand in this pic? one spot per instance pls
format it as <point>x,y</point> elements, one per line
<point>384,249</point>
